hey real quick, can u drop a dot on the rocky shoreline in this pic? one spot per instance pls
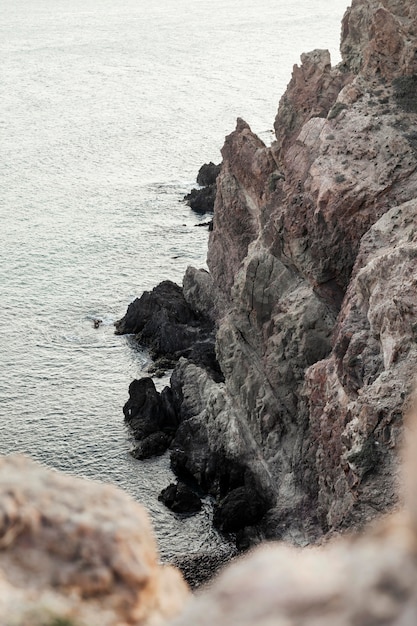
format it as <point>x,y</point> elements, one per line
<point>293,357</point>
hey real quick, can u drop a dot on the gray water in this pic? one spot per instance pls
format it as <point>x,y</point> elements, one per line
<point>107,111</point>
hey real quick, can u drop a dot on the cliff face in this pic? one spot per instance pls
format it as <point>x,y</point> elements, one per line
<point>313,258</point>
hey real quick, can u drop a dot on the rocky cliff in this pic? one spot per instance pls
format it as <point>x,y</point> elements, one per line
<point>312,285</point>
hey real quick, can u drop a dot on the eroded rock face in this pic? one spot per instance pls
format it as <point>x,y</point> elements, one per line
<point>379,38</point>
<point>356,396</point>
<point>78,551</point>
<point>365,579</point>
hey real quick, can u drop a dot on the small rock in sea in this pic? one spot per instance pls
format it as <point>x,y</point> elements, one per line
<point>97,322</point>
<point>180,498</point>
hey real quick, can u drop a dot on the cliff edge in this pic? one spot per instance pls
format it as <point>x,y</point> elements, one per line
<point>312,283</point>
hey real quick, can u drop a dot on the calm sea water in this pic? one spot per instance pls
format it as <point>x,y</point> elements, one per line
<point>107,111</point>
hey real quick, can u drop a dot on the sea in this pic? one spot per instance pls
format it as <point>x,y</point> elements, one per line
<point>107,111</point>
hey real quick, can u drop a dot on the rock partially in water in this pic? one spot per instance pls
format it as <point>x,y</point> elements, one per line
<point>180,498</point>
<point>151,417</point>
<point>164,322</point>
<point>208,173</point>
<point>202,200</point>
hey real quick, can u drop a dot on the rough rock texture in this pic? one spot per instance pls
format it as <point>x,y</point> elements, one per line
<point>151,418</point>
<point>162,320</point>
<point>77,552</point>
<point>293,425</point>
<point>312,263</point>
<point>202,200</point>
<point>366,580</point>
<point>180,498</point>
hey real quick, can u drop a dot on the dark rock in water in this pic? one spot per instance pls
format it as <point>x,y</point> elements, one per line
<point>153,445</point>
<point>164,322</point>
<point>167,296</point>
<point>151,417</point>
<point>202,200</point>
<point>209,224</point>
<point>180,498</point>
<point>207,174</point>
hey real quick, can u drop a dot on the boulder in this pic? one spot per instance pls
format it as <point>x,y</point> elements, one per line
<point>164,322</point>
<point>78,552</point>
<point>202,200</point>
<point>151,417</point>
<point>180,498</point>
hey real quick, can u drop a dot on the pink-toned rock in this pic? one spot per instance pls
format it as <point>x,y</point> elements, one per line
<point>356,396</point>
<point>379,38</point>
<point>312,91</point>
<point>248,165</point>
<point>78,550</point>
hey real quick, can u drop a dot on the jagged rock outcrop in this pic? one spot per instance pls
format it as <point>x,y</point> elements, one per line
<point>77,552</point>
<point>151,417</point>
<point>361,580</point>
<point>163,321</point>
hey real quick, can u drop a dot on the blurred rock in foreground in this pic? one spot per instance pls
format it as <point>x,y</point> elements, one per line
<point>79,553</point>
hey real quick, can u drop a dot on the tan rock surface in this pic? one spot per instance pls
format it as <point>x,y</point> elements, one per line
<point>80,550</point>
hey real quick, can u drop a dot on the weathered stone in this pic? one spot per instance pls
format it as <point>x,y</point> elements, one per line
<point>379,38</point>
<point>78,552</point>
<point>163,321</point>
<point>202,200</point>
<point>356,396</point>
<point>361,580</point>
<point>286,253</point>
<point>311,292</point>
<point>207,174</point>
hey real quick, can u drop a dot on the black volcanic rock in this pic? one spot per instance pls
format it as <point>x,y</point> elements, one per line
<point>151,417</point>
<point>202,200</point>
<point>164,322</point>
<point>180,498</point>
<point>208,173</point>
